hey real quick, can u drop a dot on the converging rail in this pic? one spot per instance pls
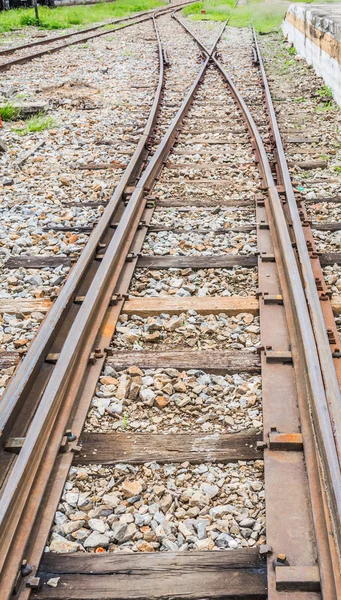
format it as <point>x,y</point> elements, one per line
<point>34,372</point>
<point>322,387</point>
<point>45,406</point>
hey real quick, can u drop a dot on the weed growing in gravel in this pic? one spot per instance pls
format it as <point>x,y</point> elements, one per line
<point>325,107</point>
<point>325,92</point>
<point>285,65</point>
<point>63,17</point>
<point>8,112</point>
<point>37,123</point>
<point>125,421</point>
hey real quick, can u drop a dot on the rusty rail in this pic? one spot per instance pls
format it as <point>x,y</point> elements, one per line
<point>319,394</point>
<point>136,19</point>
<point>42,424</point>
<point>326,409</point>
<point>21,496</point>
<point>40,346</point>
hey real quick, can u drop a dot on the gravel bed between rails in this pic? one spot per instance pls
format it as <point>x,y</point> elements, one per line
<point>163,508</point>
<point>235,50</point>
<point>332,277</point>
<point>193,243</point>
<point>174,401</point>
<point>327,241</point>
<point>188,282</point>
<point>184,62</point>
<point>18,330</point>
<point>189,330</point>
<point>32,283</point>
<point>171,507</point>
<point>205,31</point>
<point>235,173</point>
<point>203,218</point>
<point>236,190</point>
<point>215,153</point>
<point>324,212</point>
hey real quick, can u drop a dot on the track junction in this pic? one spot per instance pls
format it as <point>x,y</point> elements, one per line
<point>288,337</point>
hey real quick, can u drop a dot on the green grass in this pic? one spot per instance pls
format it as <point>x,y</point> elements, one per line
<point>63,17</point>
<point>325,107</point>
<point>39,122</point>
<point>285,66</point>
<point>267,16</point>
<point>325,92</point>
<point>215,10</point>
<point>8,112</point>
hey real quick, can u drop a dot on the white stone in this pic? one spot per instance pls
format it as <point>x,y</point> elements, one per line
<point>97,525</point>
<point>95,540</point>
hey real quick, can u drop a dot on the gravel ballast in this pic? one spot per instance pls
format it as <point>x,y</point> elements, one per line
<point>164,508</point>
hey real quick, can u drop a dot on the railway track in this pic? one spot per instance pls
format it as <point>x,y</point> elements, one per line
<point>98,343</point>
<point>56,43</point>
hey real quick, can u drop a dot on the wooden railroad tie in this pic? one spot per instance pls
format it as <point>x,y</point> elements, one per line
<point>231,305</point>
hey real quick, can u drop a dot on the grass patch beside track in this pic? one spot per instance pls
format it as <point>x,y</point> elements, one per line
<point>215,10</point>
<point>266,16</point>
<point>8,112</point>
<point>39,122</point>
<point>63,17</point>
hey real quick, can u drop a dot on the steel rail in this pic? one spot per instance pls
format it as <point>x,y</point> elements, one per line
<point>331,384</point>
<point>42,342</point>
<point>137,18</point>
<point>304,337</point>
<point>151,12</point>
<point>303,332</point>
<point>27,371</point>
<point>323,345</point>
<point>314,380</point>
<point>62,388</point>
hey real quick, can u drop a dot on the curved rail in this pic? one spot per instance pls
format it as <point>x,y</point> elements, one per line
<point>136,18</point>
<point>303,332</point>
<point>21,496</point>
<point>326,410</point>
<point>42,436</point>
<point>17,489</point>
<point>322,342</point>
<point>305,339</point>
